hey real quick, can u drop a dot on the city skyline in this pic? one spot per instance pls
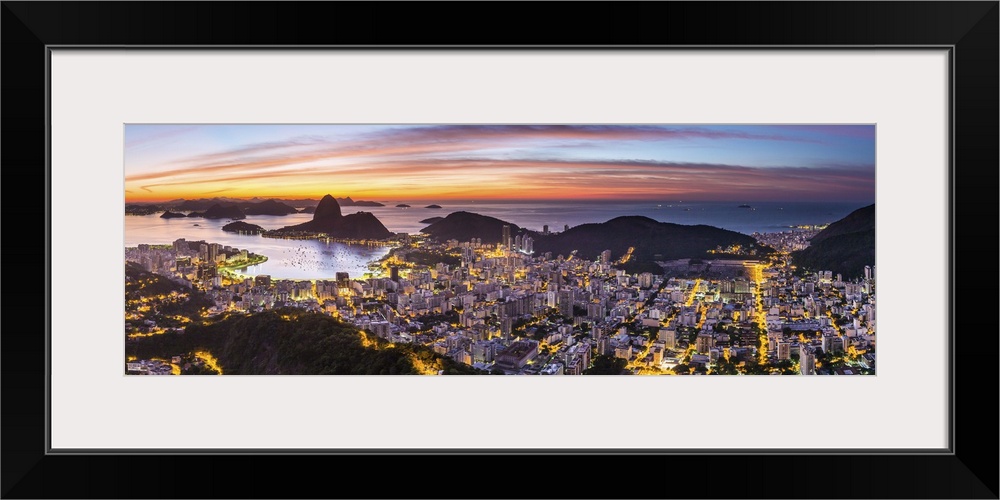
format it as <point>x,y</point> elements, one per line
<point>728,250</point>
<point>502,162</point>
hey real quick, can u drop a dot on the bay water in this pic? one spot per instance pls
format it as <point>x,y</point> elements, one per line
<point>315,259</point>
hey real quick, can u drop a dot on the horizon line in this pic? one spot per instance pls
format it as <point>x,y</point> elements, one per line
<point>494,200</point>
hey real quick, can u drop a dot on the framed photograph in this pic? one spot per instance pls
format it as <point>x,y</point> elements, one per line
<point>500,249</point>
<point>315,218</point>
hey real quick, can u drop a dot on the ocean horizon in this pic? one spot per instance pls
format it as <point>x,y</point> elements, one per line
<point>313,259</point>
<point>760,217</point>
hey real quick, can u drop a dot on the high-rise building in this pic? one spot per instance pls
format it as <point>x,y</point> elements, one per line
<point>807,360</point>
<point>343,279</point>
<point>505,240</point>
<point>657,355</point>
<point>704,343</point>
<point>180,246</point>
<point>624,351</point>
<point>687,318</point>
<point>834,344</point>
<point>596,310</point>
<point>566,303</point>
<point>506,326</point>
<point>784,350</point>
<point>604,346</point>
<point>869,313</point>
<point>213,251</point>
<point>668,336</point>
<point>381,329</point>
<point>394,273</point>
<point>606,257</point>
<point>555,280</point>
<point>517,355</point>
<point>646,280</point>
<point>545,229</point>
<point>207,272</point>
<point>483,351</point>
<point>596,333</point>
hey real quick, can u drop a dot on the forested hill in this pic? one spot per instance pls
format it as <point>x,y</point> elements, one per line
<point>294,342</point>
<point>844,247</point>
<point>463,226</point>
<point>651,241</point>
<point>862,219</point>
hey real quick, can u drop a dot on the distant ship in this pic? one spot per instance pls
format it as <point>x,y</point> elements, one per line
<point>744,206</point>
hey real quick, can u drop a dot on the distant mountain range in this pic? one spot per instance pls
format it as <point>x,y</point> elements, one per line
<point>223,209</point>
<point>219,211</point>
<point>268,207</point>
<point>327,218</point>
<point>142,209</point>
<point>253,206</point>
<point>844,247</point>
<point>200,204</point>
<point>310,205</point>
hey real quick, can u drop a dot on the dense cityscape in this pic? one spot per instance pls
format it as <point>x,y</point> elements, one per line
<point>501,308</point>
<point>500,249</point>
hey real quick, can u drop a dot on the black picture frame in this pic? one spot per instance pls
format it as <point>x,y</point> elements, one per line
<point>970,29</point>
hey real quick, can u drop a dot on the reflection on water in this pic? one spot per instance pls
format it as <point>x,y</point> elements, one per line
<point>287,259</point>
<point>314,259</point>
<point>300,259</point>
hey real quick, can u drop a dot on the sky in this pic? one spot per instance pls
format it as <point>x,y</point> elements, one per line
<point>502,162</point>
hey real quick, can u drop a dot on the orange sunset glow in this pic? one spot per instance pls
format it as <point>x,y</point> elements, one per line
<point>440,163</point>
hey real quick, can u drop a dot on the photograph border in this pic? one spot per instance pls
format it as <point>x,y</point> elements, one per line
<point>934,59</point>
<point>968,29</point>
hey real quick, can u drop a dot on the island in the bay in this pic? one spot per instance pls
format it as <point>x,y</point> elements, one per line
<point>636,281</point>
